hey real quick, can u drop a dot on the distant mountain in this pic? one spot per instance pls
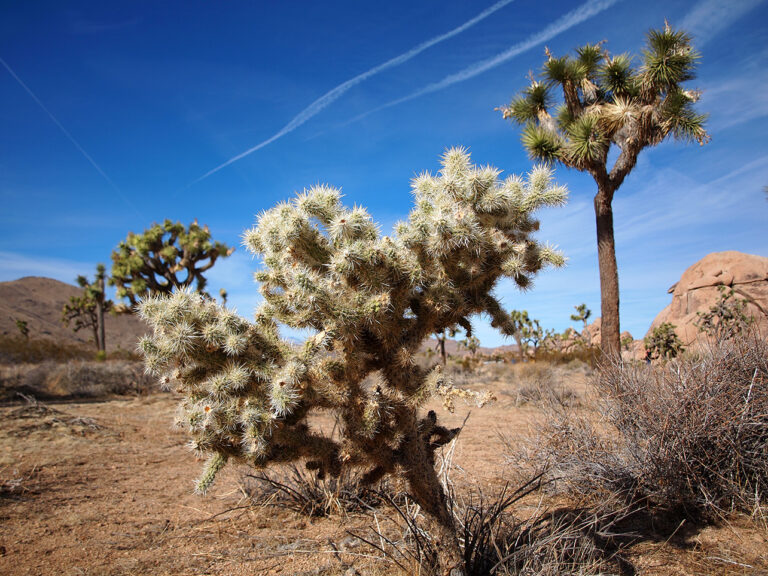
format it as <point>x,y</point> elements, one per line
<point>39,302</point>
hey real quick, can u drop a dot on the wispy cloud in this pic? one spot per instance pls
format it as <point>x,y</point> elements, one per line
<point>571,19</point>
<point>710,17</point>
<point>734,101</point>
<point>69,136</point>
<point>329,97</point>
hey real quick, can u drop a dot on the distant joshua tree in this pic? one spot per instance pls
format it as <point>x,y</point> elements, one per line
<point>371,301</point>
<point>87,311</point>
<point>606,103</point>
<point>582,314</point>
<point>164,257</point>
<point>441,338</point>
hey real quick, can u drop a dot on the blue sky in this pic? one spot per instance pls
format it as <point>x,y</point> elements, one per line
<point>118,114</point>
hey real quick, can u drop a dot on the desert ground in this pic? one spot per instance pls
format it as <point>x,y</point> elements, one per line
<point>105,486</point>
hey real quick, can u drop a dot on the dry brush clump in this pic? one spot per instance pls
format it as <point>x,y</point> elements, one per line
<point>540,383</point>
<point>23,350</point>
<point>499,536</point>
<point>293,487</point>
<point>689,436</point>
<point>371,302</point>
<point>78,379</point>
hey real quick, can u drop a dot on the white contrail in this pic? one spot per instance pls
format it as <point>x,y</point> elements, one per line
<point>584,12</point>
<point>69,136</point>
<point>333,95</point>
<point>710,17</point>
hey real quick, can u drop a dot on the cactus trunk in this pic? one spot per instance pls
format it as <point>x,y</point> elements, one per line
<point>425,489</point>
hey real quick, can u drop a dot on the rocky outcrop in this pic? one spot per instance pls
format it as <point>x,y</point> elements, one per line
<point>697,290</point>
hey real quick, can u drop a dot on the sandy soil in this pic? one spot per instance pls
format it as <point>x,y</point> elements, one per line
<point>106,488</point>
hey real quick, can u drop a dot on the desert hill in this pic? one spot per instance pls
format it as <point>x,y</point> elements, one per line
<point>39,301</point>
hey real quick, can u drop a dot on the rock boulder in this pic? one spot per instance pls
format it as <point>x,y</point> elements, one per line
<point>697,290</point>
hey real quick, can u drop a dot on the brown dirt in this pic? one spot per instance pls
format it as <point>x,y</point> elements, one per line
<point>106,488</point>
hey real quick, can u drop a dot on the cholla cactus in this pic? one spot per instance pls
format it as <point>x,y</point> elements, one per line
<point>663,343</point>
<point>372,301</point>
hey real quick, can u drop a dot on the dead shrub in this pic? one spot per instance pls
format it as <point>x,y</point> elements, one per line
<point>496,541</point>
<point>689,436</point>
<point>498,533</point>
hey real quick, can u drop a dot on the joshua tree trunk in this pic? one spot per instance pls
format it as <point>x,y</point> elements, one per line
<point>95,329</point>
<point>609,272</point>
<point>101,340</point>
<point>520,348</point>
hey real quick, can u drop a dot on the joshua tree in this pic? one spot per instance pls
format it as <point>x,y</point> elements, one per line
<point>517,321</point>
<point>606,103</point>
<point>534,335</point>
<point>471,343</point>
<point>223,294</point>
<point>372,301</point>
<point>582,314</point>
<point>524,330</point>
<point>87,311</point>
<point>164,257</point>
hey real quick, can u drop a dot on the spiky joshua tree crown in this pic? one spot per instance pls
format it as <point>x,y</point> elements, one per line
<point>371,301</point>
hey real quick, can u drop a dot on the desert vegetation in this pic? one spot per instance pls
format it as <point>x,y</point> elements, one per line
<point>163,258</point>
<point>609,104</point>
<point>387,440</point>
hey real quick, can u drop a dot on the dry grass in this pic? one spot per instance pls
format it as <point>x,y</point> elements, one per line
<point>19,350</point>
